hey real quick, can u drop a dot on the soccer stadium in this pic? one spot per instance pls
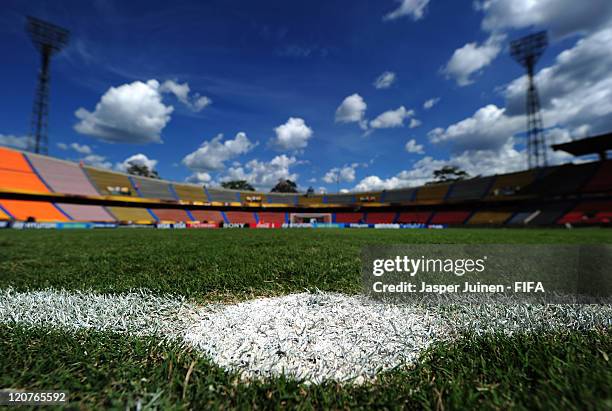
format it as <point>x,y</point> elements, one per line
<point>217,280</point>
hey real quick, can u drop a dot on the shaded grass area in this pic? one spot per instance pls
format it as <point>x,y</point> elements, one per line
<point>547,371</point>
<point>225,264</point>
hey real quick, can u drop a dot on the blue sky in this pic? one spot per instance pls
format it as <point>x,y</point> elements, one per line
<point>215,90</point>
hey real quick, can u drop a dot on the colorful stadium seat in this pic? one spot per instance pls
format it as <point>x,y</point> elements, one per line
<point>223,196</point>
<point>589,212</point>
<point>110,183</point>
<point>450,217</point>
<point>207,216</point>
<point>168,214</point>
<point>416,217</point>
<point>16,174</point>
<point>489,217</point>
<point>510,184</point>
<point>434,193</point>
<point>132,214</point>
<point>376,217</point>
<point>349,218</point>
<point>472,189</point>
<point>404,195</point>
<point>602,180</point>
<point>68,178</point>
<point>271,217</point>
<point>152,188</point>
<point>244,217</point>
<point>187,192</point>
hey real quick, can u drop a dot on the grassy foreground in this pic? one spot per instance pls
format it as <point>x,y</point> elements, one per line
<point>556,371</point>
<point>225,264</point>
<point>567,370</point>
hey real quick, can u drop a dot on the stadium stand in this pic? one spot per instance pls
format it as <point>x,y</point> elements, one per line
<point>472,189</point>
<point>370,197</point>
<point>278,198</point>
<point>434,193</point>
<point>549,214</point>
<point>380,217</point>
<point>16,174</point>
<point>561,180</point>
<point>245,217</point>
<point>489,217</point>
<point>450,217</point>
<point>349,218</point>
<point>207,216</point>
<point>190,192</point>
<point>510,184</point>
<point>602,180</point>
<point>417,217</point>
<point>223,196</point>
<point>168,214</point>
<point>405,195</point>
<point>151,188</point>
<point>576,194</point>
<point>589,212</point>
<point>341,198</point>
<point>132,214</point>
<point>310,199</point>
<point>68,178</point>
<point>110,183</point>
<point>270,217</point>
<point>522,217</point>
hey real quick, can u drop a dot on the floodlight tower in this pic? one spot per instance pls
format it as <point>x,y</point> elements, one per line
<point>49,39</point>
<point>527,51</point>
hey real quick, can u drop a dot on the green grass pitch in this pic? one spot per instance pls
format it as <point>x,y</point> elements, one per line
<point>562,370</point>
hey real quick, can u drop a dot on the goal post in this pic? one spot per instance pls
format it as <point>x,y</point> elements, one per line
<point>304,218</point>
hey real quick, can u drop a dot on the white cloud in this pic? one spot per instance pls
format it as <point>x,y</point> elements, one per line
<point>199,178</point>
<point>385,80</point>
<point>131,113</point>
<point>412,8</point>
<point>561,17</point>
<point>212,155</point>
<point>341,174</point>
<point>575,94</point>
<point>79,148</point>
<point>414,123</point>
<point>352,110</point>
<point>96,160</point>
<point>136,159</point>
<point>576,91</point>
<point>392,118</point>
<point>195,102</point>
<point>472,58</point>
<point>488,128</point>
<point>293,135</point>
<point>261,174</point>
<point>20,142</point>
<point>430,103</point>
<point>413,147</point>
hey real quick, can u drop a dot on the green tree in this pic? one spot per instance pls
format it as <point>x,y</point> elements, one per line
<point>284,186</point>
<point>141,170</point>
<point>242,185</point>
<point>448,174</point>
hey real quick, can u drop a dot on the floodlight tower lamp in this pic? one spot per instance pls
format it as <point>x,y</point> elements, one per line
<point>48,39</point>
<point>527,52</point>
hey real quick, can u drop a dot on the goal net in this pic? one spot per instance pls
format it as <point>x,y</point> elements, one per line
<point>304,218</point>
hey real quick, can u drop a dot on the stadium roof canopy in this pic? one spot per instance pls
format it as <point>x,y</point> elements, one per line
<point>590,145</point>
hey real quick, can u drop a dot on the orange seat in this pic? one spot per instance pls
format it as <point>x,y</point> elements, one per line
<point>40,211</point>
<point>15,173</point>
